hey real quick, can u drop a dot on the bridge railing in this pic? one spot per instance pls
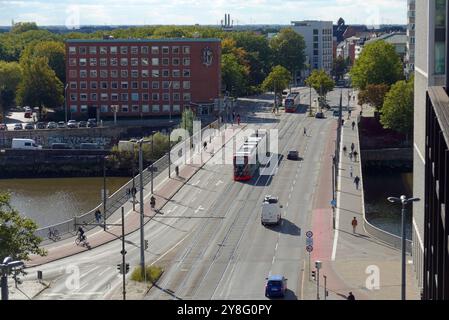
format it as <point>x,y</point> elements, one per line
<point>121,196</point>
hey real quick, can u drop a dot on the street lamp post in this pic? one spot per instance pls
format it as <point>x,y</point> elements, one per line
<point>142,240</point>
<point>152,162</point>
<point>104,192</point>
<point>404,201</point>
<point>5,267</point>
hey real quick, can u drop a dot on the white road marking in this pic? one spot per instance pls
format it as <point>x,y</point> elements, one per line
<point>171,210</point>
<point>200,208</point>
<point>337,215</point>
<point>193,199</point>
<point>196,183</point>
<point>102,272</point>
<point>218,183</point>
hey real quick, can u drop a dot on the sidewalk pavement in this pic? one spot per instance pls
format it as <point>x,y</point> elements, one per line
<point>27,290</point>
<point>163,192</point>
<point>355,262</point>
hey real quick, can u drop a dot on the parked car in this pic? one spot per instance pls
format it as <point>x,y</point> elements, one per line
<point>91,124</point>
<point>52,125</point>
<point>61,124</point>
<point>27,144</point>
<point>72,124</point>
<point>82,124</point>
<point>40,125</point>
<point>276,286</point>
<point>293,155</point>
<point>18,126</point>
<point>61,146</point>
<point>29,126</point>
<point>3,127</point>
<point>319,115</point>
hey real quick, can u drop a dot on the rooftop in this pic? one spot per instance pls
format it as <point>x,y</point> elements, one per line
<point>143,40</point>
<point>393,38</point>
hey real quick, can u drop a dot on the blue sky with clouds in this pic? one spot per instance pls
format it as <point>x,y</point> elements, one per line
<point>138,12</point>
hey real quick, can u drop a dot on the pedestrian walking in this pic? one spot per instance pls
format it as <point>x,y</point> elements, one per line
<point>350,155</point>
<point>238,119</point>
<point>352,146</point>
<point>305,132</point>
<point>355,155</point>
<point>177,171</point>
<point>353,125</point>
<point>345,150</point>
<point>357,181</point>
<point>351,170</point>
<point>98,216</point>
<point>205,145</point>
<point>351,296</point>
<point>354,224</point>
<point>342,122</point>
<point>233,116</point>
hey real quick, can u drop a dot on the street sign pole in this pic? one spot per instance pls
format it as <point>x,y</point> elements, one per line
<point>310,270</point>
<point>123,253</point>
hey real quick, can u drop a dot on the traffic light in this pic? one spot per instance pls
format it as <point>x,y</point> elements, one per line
<point>314,274</point>
<point>127,268</point>
<point>120,267</point>
<point>146,244</point>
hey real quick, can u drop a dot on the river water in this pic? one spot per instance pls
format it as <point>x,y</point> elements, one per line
<point>380,212</point>
<point>49,201</point>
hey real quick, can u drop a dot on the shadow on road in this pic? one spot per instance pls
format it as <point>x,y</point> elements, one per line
<point>286,227</point>
<point>167,291</point>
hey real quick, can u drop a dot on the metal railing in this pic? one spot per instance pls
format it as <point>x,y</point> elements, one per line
<point>121,196</point>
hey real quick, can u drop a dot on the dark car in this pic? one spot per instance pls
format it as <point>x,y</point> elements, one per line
<point>91,124</point>
<point>276,286</point>
<point>82,124</point>
<point>29,126</point>
<point>61,146</point>
<point>3,127</point>
<point>18,126</point>
<point>336,113</point>
<point>319,115</point>
<point>41,125</point>
<point>293,155</point>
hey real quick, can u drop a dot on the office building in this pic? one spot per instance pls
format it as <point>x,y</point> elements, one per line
<point>410,55</point>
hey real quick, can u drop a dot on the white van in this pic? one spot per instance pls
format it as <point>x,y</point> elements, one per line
<point>271,211</point>
<point>27,144</point>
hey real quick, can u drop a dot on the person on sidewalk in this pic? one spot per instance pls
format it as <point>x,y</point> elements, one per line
<point>177,171</point>
<point>354,225</point>
<point>353,125</point>
<point>357,181</point>
<point>153,202</point>
<point>205,145</point>
<point>350,155</point>
<point>238,119</point>
<point>352,147</point>
<point>305,132</point>
<point>355,155</point>
<point>351,171</point>
<point>351,296</point>
<point>345,150</point>
<point>98,216</point>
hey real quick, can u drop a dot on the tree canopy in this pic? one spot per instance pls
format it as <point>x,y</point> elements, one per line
<point>378,63</point>
<point>10,76</point>
<point>278,79</point>
<point>288,48</point>
<point>234,74</point>
<point>397,110</point>
<point>21,27</point>
<point>321,82</point>
<point>17,236</point>
<point>339,67</point>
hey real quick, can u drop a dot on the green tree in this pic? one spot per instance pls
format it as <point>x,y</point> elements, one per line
<point>39,85</point>
<point>21,27</point>
<point>378,63</point>
<point>10,75</point>
<point>339,67</point>
<point>17,236</point>
<point>397,111</point>
<point>288,47</point>
<point>234,75</point>
<point>54,51</point>
<point>187,120</point>
<point>277,81</point>
<point>321,82</point>
<point>374,94</point>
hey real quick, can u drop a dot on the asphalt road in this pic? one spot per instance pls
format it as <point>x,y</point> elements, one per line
<point>210,240</point>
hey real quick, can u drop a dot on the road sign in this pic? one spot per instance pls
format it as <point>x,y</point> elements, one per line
<point>309,234</point>
<point>309,248</point>
<point>309,242</point>
<point>334,203</point>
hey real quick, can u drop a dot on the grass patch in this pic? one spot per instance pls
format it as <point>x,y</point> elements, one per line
<point>152,274</point>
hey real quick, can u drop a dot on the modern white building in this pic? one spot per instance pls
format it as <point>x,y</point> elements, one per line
<point>410,55</point>
<point>318,36</point>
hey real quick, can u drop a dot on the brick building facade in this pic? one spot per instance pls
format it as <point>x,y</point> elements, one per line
<point>141,77</point>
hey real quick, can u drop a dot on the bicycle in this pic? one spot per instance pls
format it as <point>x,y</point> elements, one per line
<point>53,234</point>
<point>81,239</point>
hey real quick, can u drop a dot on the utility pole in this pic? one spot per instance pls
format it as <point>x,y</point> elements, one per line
<point>5,267</point>
<point>169,151</point>
<point>142,250</point>
<point>152,155</point>
<point>104,192</point>
<point>325,287</point>
<point>123,253</point>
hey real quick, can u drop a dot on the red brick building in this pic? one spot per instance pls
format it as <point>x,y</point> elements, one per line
<point>141,77</point>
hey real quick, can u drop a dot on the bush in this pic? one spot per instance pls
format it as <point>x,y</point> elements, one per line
<point>153,274</point>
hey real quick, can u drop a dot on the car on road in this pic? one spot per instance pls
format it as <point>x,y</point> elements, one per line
<point>271,211</point>
<point>91,123</point>
<point>319,115</point>
<point>82,124</point>
<point>29,126</point>
<point>18,126</point>
<point>28,112</point>
<point>27,144</point>
<point>52,125</point>
<point>72,124</point>
<point>61,124</point>
<point>3,127</point>
<point>293,155</point>
<point>61,146</point>
<point>40,125</point>
<point>276,286</point>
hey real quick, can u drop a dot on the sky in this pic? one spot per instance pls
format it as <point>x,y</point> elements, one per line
<point>73,13</point>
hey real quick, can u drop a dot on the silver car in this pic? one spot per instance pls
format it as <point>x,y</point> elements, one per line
<point>52,125</point>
